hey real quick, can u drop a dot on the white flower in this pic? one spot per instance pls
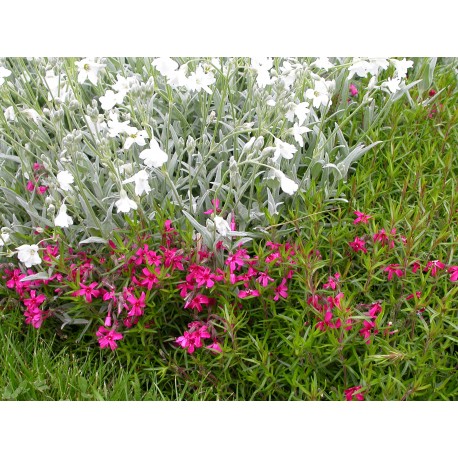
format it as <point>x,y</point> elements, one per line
<point>360,67</point>
<point>123,84</point>
<point>401,66</point>
<point>283,149</point>
<point>65,179</point>
<point>62,219</point>
<point>141,182</point>
<point>28,254</point>
<point>126,168</point>
<point>222,226</point>
<point>4,73</point>
<point>178,78</point>
<point>115,128</point>
<point>289,72</point>
<point>392,84</point>
<point>262,67</point>
<point>9,114</point>
<point>32,114</point>
<point>135,136</point>
<point>88,69</point>
<point>165,65</point>
<point>199,80</point>
<point>271,102</point>
<point>298,131</point>
<point>320,94</point>
<point>323,63</point>
<point>154,156</point>
<point>124,204</point>
<point>379,62</point>
<point>4,237</point>
<point>287,185</point>
<point>110,99</point>
<point>301,111</point>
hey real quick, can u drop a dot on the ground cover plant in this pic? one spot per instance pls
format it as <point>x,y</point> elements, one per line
<point>204,223</point>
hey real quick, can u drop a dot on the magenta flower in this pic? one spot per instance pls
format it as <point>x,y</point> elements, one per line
<point>411,296</point>
<point>383,237</point>
<point>433,266</point>
<point>358,245</point>
<point>366,332</point>
<point>248,293</point>
<point>375,310</point>
<point>34,301</point>
<point>87,291</point>
<point>392,269</point>
<point>415,266</point>
<point>34,316</point>
<point>361,218</point>
<point>215,346</point>
<point>216,208</point>
<point>149,280</point>
<point>453,271</point>
<point>332,282</point>
<point>353,90</point>
<point>193,339</point>
<point>138,304</point>
<point>264,278</point>
<point>350,394</point>
<point>30,186</point>
<point>108,337</point>
<point>237,260</point>
<point>326,323</point>
<point>281,290</point>
<point>197,301</point>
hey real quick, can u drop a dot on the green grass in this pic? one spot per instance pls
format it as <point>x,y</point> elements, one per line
<point>408,182</point>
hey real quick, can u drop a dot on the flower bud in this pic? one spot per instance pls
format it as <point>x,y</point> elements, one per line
<point>190,145</point>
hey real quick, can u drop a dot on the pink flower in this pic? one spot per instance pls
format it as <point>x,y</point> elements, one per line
<point>358,245</point>
<point>334,301</point>
<point>42,189</point>
<point>34,316</point>
<point>237,260</point>
<point>248,293</point>
<point>375,310</point>
<point>411,296</point>
<point>138,304</point>
<point>215,346</point>
<point>433,266</point>
<point>326,323</point>
<point>108,337</point>
<point>350,394</point>
<point>332,282</point>
<point>368,326</point>
<point>30,186</point>
<point>384,239</point>
<point>392,269</point>
<point>216,208</point>
<point>281,290</point>
<point>87,291</point>
<point>197,301</point>
<point>34,301</point>
<point>193,339</point>
<point>149,280</point>
<point>415,266</point>
<point>264,278</point>
<point>361,218</point>
<point>173,258</point>
<point>453,271</point>
<point>353,90</point>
